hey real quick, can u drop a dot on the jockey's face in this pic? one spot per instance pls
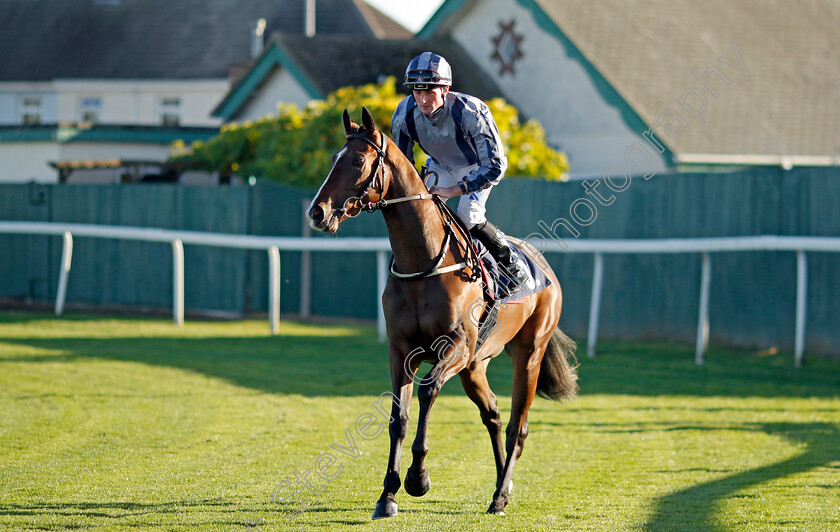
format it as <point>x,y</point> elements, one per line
<point>430,100</point>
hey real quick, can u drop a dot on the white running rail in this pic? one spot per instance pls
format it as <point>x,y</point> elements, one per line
<point>272,245</point>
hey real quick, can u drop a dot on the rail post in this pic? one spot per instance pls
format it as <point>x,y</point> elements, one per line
<point>178,282</point>
<point>703,313</point>
<point>595,304</point>
<point>381,281</point>
<point>801,306</point>
<point>64,272</point>
<point>274,289</point>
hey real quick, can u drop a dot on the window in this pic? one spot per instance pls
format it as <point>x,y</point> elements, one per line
<point>169,110</point>
<point>30,110</point>
<point>90,109</point>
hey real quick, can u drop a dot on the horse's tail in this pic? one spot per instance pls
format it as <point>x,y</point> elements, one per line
<point>558,371</point>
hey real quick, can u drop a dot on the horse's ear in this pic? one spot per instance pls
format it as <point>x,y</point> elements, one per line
<point>348,124</point>
<point>368,123</point>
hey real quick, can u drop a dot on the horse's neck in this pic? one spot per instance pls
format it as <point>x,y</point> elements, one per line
<point>415,228</point>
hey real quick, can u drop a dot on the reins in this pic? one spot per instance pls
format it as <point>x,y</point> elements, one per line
<point>435,269</point>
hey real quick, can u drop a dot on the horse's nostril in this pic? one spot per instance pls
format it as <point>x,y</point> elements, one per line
<point>316,214</point>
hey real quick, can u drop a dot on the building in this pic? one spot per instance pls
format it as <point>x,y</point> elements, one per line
<point>121,79</point>
<point>702,83</point>
<point>296,69</point>
<point>697,85</point>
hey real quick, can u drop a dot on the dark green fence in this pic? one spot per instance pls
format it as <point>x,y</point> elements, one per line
<point>752,300</point>
<point>645,296</point>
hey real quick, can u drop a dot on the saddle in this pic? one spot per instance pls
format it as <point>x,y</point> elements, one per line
<point>493,279</point>
<point>497,282</point>
<point>492,276</point>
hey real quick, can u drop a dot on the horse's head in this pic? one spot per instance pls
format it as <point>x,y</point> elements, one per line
<point>356,179</point>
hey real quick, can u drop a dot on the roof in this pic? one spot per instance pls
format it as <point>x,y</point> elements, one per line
<point>382,25</point>
<point>62,133</point>
<point>646,50</point>
<point>325,63</point>
<point>43,40</point>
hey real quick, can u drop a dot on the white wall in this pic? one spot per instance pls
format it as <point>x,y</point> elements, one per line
<point>11,93</point>
<point>8,108</point>
<point>27,161</point>
<point>123,101</point>
<point>278,86</point>
<point>550,86</point>
<point>137,101</point>
<point>126,102</point>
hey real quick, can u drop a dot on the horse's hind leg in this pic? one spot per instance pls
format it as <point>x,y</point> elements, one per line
<point>526,370</point>
<point>474,381</point>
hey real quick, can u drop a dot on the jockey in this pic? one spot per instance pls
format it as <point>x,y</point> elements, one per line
<point>465,153</point>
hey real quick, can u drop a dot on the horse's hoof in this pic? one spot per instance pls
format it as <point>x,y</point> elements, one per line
<point>496,508</point>
<point>417,484</point>
<point>385,508</point>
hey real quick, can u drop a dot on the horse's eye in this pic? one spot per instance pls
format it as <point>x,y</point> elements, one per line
<point>359,161</point>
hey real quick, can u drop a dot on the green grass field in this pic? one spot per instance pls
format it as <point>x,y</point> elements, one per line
<point>135,424</point>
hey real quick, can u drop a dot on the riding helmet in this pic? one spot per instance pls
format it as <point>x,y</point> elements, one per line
<point>428,70</point>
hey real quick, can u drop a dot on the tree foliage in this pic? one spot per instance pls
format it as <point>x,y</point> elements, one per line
<point>295,146</point>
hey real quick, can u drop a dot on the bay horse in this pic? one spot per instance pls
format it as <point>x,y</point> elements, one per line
<point>428,308</point>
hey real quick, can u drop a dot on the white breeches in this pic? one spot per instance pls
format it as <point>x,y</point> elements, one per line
<point>471,209</point>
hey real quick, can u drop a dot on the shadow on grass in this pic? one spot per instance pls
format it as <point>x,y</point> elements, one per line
<point>309,366</point>
<point>107,509</point>
<point>358,365</point>
<point>62,512</point>
<point>694,508</point>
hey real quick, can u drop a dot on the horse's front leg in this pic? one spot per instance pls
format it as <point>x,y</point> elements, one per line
<point>417,481</point>
<point>403,385</point>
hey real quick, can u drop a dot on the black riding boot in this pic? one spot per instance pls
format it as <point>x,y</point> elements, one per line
<point>496,243</point>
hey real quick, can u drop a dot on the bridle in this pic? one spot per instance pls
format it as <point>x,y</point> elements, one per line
<point>378,173</point>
